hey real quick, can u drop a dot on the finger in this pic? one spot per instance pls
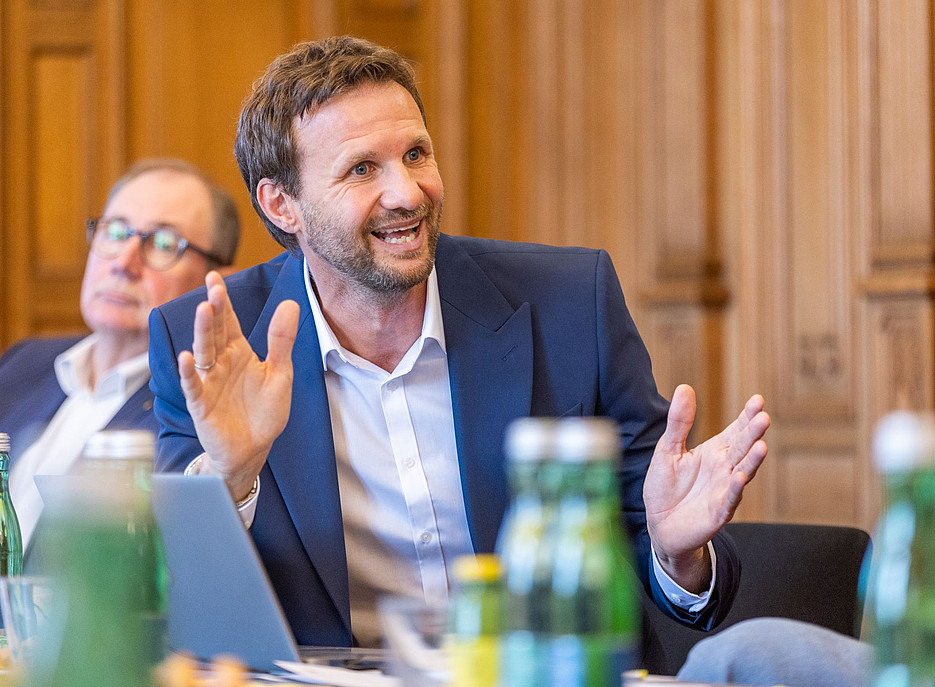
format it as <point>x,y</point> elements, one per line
<point>281,336</point>
<point>742,442</point>
<point>189,378</point>
<point>203,345</point>
<point>753,460</point>
<point>738,481</point>
<point>750,410</point>
<point>753,407</point>
<point>679,421</point>
<point>217,296</point>
<point>227,324</point>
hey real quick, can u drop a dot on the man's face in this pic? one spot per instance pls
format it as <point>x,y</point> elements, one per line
<point>371,194</point>
<point>117,294</point>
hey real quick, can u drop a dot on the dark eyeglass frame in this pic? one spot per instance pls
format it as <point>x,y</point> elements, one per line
<point>146,237</point>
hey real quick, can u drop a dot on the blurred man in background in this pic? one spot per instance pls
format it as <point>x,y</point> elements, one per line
<point>164,227</point>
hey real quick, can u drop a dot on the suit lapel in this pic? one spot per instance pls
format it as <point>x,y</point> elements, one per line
<point>490,357</point>
<point>33,413</point>
<point>302,458</point>
<point>136,413</point>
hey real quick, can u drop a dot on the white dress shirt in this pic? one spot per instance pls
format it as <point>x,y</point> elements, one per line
<point>394,439</point>
<point>84,412</point>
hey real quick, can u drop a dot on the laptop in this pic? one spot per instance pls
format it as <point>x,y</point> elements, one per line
<point>220,598</point>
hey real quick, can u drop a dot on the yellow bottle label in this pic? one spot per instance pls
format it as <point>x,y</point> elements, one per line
<point>474,662</point>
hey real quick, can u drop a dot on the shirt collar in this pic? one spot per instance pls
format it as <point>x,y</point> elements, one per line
<point>432,328</point>
<point>73,371</point>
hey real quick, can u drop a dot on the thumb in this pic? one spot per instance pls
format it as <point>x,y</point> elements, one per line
<point>679,422</point>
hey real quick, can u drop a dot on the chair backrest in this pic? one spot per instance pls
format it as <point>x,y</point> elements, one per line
<point>804,572</point>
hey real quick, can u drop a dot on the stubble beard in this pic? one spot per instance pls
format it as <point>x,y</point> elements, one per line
<point>349,251</point>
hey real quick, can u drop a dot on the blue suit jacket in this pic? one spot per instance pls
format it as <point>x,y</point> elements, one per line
<point>530,330</point>
<point>30,394</point>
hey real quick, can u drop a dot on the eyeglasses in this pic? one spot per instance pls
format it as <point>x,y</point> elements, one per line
<point>161,248</point>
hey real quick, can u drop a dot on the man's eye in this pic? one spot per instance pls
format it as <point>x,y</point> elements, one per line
<point>117,231</point>
<point>360,169</point>
<point>414,155</point>
<point>165,241</point>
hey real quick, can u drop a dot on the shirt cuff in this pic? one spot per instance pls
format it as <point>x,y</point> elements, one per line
<point>245,508</point>
<point>678,596</point>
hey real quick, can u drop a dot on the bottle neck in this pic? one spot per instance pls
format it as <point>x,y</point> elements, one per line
<point>595,480</point>
<point>524,478</point>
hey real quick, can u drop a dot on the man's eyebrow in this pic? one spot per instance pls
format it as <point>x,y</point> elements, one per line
<point>423,140</point>
<point>355,159</point>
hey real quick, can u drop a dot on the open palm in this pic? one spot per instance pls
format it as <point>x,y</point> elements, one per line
<point>690,494</point>
<point>239,404</point>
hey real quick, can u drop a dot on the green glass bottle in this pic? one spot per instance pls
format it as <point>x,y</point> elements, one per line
<point>106,556</point>
<point>594,611</point>
<point>11,540</point>
<point>525,553</point>
<point>901,595</point>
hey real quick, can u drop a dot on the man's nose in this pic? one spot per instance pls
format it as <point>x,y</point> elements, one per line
<point>401,189</point>
<point>129,260</point>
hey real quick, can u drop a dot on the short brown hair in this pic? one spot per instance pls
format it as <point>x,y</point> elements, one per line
<point>295,84</point>
<point>225,234</point>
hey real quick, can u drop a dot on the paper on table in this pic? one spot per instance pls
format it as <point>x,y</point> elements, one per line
<point>338,677</point>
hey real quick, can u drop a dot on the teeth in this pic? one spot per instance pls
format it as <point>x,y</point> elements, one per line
<point>384,234</point>
<point>402,239</point>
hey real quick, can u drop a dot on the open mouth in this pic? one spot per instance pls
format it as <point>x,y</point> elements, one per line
<point>400,235</point>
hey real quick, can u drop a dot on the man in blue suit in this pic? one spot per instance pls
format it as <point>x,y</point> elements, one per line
<point>354,391</point>
<point>164,226</point>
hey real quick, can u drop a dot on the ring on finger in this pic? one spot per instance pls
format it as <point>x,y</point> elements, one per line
<point>205,367</point>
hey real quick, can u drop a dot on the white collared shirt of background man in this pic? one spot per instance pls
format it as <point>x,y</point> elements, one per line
<point>84,412</point>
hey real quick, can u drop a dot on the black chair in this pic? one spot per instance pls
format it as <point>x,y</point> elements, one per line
<point>804,572</point>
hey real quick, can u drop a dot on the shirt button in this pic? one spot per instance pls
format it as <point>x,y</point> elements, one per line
<point>392,386</point>
<point>409,462</point>
<point>425,537</point>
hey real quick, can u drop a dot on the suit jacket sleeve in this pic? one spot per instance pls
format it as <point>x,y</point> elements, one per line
<point>178,443</point>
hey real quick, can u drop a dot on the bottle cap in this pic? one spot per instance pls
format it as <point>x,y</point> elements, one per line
<point>529,439</point>
<point>482,567</point>
<point>904,441</point>
<point>4,442</point>
<point>581,439</point>
<point>130,443</point>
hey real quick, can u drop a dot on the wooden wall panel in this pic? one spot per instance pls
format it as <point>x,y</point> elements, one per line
<point>903,232</point>
<point>680,272</point>
<point>62,75</point>
<point>63,84</point>
<point>818,486</point>
<point>813,279</point>
<point>895,261</point>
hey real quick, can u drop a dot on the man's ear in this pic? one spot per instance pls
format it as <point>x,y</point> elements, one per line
<point>281,208</point>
